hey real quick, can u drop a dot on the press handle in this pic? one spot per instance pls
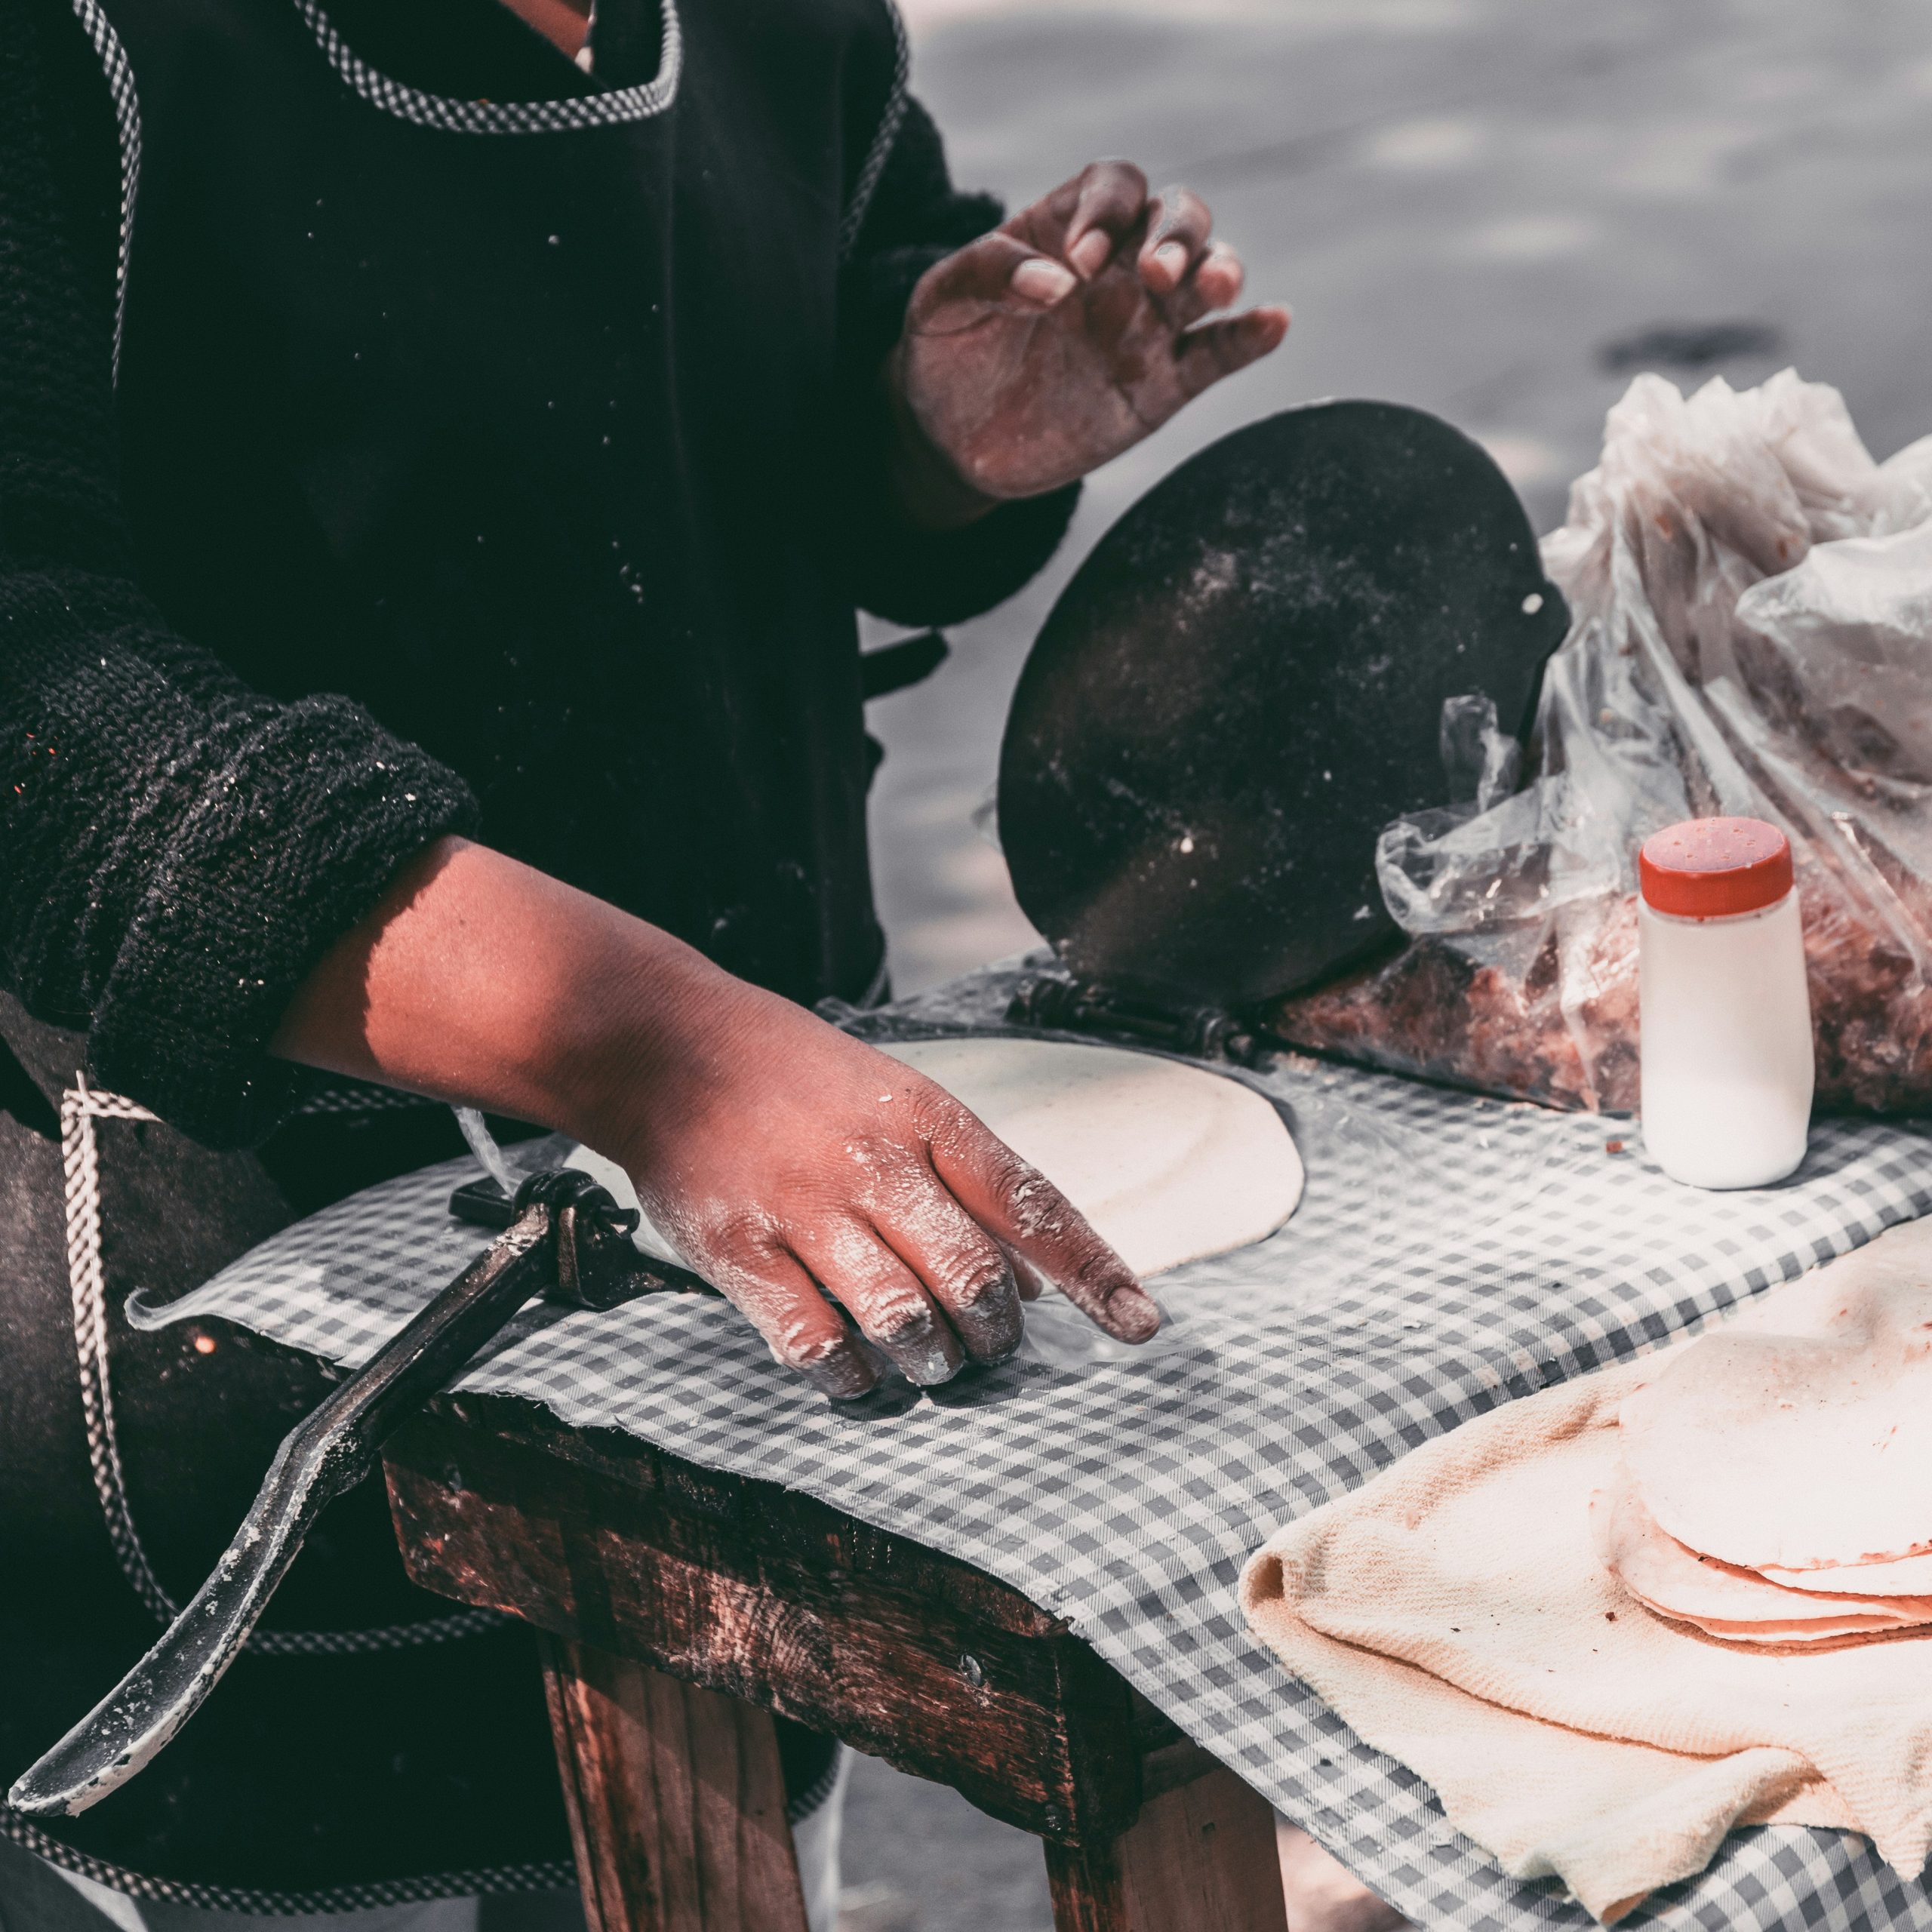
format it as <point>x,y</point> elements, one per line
<point>331,1450</point>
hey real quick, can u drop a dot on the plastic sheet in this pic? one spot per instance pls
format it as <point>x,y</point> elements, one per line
<point>1752,604</point>
<point>1375,1191</point>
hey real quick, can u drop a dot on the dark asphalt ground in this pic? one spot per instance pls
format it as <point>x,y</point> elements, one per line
<point>1497,209</point>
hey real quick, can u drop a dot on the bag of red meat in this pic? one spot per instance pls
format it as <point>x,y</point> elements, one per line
<point>1751,637</point>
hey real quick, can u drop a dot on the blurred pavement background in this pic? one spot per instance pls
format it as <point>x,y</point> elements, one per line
<point>1498,210</point>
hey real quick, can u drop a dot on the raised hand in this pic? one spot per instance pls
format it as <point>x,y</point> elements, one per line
<point>1039,352</point>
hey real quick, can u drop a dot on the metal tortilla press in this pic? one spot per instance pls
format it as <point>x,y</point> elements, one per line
<point>1241,685</point>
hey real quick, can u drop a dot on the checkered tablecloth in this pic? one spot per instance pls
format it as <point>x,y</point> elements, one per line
<point>1451,1253</point>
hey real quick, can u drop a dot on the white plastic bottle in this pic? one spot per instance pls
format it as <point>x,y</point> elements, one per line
<point>1726,1015</point>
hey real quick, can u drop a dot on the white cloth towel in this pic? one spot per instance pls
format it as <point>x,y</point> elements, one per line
<point>1455,1612</point>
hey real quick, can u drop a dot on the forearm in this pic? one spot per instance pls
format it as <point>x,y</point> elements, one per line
<point>479,981</point>
<point>785,1160</point>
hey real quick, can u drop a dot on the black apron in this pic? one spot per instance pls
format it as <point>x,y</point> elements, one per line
<point>502,401</point>
<point>521,439</point>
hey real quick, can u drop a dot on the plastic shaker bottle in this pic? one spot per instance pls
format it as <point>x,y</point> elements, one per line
<point>1726,1015</point>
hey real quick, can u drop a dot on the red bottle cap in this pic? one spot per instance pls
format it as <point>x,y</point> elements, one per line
<point>1709,868</point>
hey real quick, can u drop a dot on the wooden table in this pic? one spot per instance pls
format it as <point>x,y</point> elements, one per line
<point>678,1608</point>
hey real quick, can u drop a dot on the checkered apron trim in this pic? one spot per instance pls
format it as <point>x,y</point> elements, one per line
<point>119,74</point>
<point>538,1876</point>
<point>451,115</point>
<point>81,1106</point>
<point>881,151</point>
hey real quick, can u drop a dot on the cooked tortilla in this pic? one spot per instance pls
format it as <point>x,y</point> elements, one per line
<point>1904,1577</point>
<point>1665,1576</point>
<point>1826,1631</point>
<point>1808,1445</point>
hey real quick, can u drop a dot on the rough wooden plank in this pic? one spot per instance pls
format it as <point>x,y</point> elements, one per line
<point>845,1632</point>
<point>676,1800</point>
<point>1200,1858</point>
<point>775,1519</point>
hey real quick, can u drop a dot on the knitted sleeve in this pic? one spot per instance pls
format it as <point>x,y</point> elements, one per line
<point>177,852</point>
<point>915,218</point>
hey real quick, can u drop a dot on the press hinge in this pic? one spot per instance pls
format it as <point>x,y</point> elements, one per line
<point>1201,1033</point>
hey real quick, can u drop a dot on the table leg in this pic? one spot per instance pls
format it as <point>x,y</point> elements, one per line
<point>1200,1858</point>
<point>676,1800</point>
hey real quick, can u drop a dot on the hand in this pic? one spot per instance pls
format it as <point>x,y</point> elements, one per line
<point>796,1169</point>
<point>1040,351</point>
<point>801,1171</point>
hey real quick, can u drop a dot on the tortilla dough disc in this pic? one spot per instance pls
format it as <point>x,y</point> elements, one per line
<point>1806,1446</point>
<point>1170,1162</point>
<point>1665,1576</point>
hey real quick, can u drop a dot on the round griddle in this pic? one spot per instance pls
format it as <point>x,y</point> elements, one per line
<point>1243,683</point>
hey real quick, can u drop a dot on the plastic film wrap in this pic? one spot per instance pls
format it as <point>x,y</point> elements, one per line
<point>1752,604</point>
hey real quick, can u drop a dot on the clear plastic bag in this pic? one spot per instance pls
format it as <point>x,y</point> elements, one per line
<point>1752,604</point>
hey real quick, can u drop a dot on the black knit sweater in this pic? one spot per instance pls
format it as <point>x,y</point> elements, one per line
<point>177,852</point>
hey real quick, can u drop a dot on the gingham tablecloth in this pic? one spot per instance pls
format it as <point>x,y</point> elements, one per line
<point>1451,1253</point>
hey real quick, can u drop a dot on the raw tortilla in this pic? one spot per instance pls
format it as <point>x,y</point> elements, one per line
<point>1170,1162</point>
<point>1665,1576</point>
<point>1809,1445</point>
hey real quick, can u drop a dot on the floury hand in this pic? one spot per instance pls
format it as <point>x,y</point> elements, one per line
<point>1041,351</point>
<point>806,1175</point>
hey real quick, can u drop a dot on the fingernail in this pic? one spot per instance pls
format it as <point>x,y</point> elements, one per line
<point>992,1325</point>
<point>938,1360</point>
<point>1093,252</point>
<point>844,1376</point>
<point>1172,257</point>
<point>1132,1316</point>
<point>1043,282</point>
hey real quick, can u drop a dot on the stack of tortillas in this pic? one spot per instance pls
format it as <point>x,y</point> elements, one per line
<point>1776,1487</point>
<point>1613,1621</point>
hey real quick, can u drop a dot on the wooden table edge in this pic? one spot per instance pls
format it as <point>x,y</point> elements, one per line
<point>677,1607</point>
